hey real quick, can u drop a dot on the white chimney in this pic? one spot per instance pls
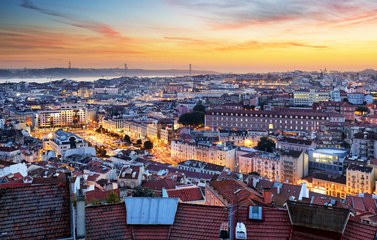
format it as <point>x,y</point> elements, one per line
<point>255,181</point>
<point>133,174</point>
<point>278,189</point>
<point>241,231</point>
<point>304,192</point>
<point>80,209</point>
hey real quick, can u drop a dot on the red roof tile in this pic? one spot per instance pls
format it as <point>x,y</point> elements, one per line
<point>159,184</point>
<point>226,189</point>
<point>275,224</point>
<point>107,222</point>
<point>186,194</point>
<point>98,194</point>
<point>35,212</point>
<point>198,222</point>
<point>359,231</point>
<point>203,222</point>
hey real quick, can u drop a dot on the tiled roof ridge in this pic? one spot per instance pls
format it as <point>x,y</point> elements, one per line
<point>22,185</point>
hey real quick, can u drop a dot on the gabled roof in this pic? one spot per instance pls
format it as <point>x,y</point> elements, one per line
<point>34,211</point>
<point>107,222</point>
<point>227,189</point>
<point>275,224</point>
<point>99,194</point>
<point>159,184</point>
<point>318,217</point>
<point>191,222</point>
<point>186,194</point>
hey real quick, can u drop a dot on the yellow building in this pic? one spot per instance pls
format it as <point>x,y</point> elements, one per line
<point>332,185</point>
<point>360,179</point>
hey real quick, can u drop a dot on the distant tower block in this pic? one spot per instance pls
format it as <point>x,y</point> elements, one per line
<point>69,65</point>
<point>190,69</point>
<point>125,69</point>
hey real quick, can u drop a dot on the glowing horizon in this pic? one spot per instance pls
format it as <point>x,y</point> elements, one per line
<point>219,35</point>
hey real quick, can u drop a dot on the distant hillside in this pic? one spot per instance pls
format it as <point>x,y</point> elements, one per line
<point>87,72</point>
<point>368,72</point>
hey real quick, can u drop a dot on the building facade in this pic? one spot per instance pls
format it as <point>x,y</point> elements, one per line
<point>272,121</point>
<point>327,160</point>
<point>310,96</point>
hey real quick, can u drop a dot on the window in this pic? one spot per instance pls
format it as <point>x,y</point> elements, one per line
<point>255,213</point>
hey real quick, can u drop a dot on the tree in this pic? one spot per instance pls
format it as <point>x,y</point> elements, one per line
<point>127,139</point>
<point>112,197</point>
<point>138,142</point>
<point>140,191</point>
<point>192,119</point>
<point>95,201</point>
<point>101,152</point>
<point>266,144</point>
<point>148,145</point>
<point>363,109</point>
<point>254,173</point>
<point>199,108</point>
<point>345,145</point>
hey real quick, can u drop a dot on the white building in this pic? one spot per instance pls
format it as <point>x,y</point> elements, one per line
<point>267,165</point>
<point>64,141</point>
<point>9,168</point>
<point>308,97</point>
<point>73,115</point>
<point>206,152</point>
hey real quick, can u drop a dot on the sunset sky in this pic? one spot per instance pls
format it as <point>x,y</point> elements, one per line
<point>220,35</point>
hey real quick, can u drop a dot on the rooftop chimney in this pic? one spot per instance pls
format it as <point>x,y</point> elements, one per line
<point>267,196</point>
<point>80,209</point>
<point>304,193</point>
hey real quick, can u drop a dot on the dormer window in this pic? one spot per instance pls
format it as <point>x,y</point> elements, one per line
<point>255,213</point>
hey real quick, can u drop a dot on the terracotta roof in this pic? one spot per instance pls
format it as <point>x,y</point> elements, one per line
<point>296,141</point>
<point>226,189</point>
<point>275,224</point>
<point>98,194</point>
<point>359,231</point>
<point>191,222</point>
<point>360,168</point>
<point>34,211</point>
<point>107,222</point>
<point>186,194</point>
<point>362,204</point>
<point>198,222</point>
<point>159,184</point>
<point>330,178</point>
<point>291,153</point>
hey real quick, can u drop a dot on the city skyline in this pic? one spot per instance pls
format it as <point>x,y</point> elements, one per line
<point>225,36</point>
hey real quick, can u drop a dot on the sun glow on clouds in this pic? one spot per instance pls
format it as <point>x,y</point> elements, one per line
<point>223,35</point>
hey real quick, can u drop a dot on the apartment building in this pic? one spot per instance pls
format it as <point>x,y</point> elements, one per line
<point>296,144</point>
<point>309,96</point>
<point>344,108</point>
<point>360,179</point>
<point>294,165</point>
<point>219,154</point>
<point>113,124</point>
<point>332,185</point>
<point>364,145</point>
<point>68,115</point>
<point>267,165</point>
<point>183,150</point>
